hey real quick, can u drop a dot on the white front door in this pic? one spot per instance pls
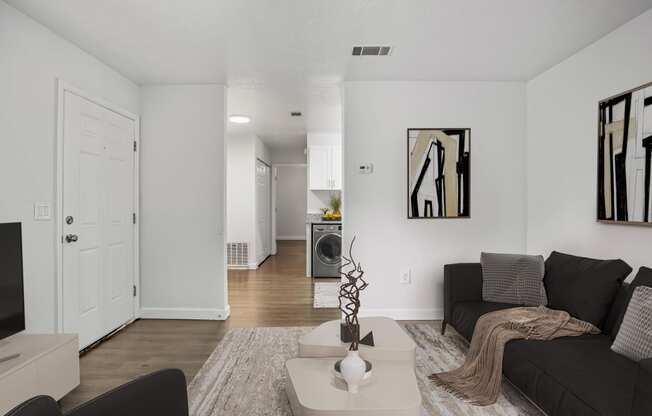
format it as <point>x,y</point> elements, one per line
<point>98,230</point>
<point>263,211</point>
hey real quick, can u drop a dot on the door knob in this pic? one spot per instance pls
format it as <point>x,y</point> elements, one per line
<point>71,238</point>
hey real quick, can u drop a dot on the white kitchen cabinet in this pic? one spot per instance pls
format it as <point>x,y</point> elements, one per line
<point>336,167</point>
<point>325,167</point>
<point>319,170</point>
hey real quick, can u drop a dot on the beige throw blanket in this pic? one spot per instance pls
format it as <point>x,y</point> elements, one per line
<point>478,380</point>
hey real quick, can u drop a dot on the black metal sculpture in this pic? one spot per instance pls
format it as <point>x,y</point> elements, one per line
<point>349,301</point>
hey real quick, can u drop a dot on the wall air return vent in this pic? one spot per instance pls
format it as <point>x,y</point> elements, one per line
<point>237,255</point>
<point>371,50</point>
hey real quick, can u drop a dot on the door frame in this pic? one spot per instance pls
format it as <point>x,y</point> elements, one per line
<point>62,88</point>
<point>271,226</point>
<point>275,167</point>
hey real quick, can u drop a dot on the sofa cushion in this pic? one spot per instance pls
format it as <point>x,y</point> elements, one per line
<point>619,306</point>
<point>583,287</point>
<point>583,367</point>
<point>466,314</point>
<point>513,278</point>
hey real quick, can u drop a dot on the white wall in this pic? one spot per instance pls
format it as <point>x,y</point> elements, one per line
<point>183,269</point>
<point>262,150</point>
<point>242,152</point>
<point>291,185</point>
<point>562,147</point>
<point>377,116</point>
<point>31,60</point>
<point>289,154</point>
<point>318,200</point>
<point>240,174</point>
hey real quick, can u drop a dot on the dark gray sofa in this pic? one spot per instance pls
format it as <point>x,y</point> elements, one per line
<point>566,376</point>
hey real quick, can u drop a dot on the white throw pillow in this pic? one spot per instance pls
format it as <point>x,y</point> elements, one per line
<point>634,339</point>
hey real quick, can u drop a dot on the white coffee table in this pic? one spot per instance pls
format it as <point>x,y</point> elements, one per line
<point>391,342</point>
<point>314,391</point>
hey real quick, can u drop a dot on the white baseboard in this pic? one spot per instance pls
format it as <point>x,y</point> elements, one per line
<point>291,237</point>
<point>208,314</point>
<point>405,314</point>
<point>237,267</point>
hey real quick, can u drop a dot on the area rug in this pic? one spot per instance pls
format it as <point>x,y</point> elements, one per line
<point>326,295</point>
<point>245,375</point>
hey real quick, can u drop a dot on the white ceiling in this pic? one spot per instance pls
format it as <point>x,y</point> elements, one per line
<point>269,106</point>
<point>275,54</point>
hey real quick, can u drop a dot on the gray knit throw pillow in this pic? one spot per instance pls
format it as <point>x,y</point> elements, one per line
<point>634,339</point>
<point>513,278</point>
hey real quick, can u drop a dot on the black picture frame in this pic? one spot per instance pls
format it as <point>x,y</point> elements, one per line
<point>462,172</point>
<point>612,206</point>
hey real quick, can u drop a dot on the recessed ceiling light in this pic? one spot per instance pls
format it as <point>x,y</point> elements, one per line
<point>239,119</point>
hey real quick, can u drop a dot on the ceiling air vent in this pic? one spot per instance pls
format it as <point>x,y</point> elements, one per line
<point>371,50</point>
<point>295,113</point>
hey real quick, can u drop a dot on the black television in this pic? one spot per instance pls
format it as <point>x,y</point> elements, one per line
<point>12,301</point>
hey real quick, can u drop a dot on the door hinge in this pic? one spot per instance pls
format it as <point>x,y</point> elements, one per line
<point>135,146</point>
<point>133,217</point>
<point>134,290</point>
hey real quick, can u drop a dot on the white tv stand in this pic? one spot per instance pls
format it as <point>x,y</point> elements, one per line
<point>46,365</point>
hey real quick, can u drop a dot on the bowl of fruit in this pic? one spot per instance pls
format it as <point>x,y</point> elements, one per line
<point>332,216</point>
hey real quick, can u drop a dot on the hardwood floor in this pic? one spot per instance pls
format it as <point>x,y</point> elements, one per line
<point>277,294</point>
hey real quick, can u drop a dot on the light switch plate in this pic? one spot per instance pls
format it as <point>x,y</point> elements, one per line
<point>42,211</point>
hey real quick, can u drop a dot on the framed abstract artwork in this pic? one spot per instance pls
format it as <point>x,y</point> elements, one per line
<point>624,157</point>
<point>439,173</point>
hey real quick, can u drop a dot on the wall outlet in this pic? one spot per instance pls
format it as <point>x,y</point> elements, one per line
<point>406,277</point>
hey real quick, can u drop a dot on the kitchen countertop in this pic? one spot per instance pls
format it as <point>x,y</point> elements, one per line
<point>316,219</point>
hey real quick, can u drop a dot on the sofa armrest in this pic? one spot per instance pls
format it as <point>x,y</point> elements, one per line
<point>643,390</point>
<point>36,406</point>
<point>462,283</point>
<point>162,393</point>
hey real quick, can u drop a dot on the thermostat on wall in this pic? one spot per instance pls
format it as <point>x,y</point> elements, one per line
<point>366,168</point>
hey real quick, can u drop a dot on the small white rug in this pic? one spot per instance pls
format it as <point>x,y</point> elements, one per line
<point>326,295</point>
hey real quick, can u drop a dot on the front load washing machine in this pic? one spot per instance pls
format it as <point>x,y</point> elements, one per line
<point>326,250</point>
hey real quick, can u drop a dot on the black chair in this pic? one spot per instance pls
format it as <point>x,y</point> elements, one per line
<point>162,393</point>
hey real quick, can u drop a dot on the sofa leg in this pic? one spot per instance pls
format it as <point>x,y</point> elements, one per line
<point>443,327</point>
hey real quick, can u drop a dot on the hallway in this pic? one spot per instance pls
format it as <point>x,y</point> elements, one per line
<point>278,293</point>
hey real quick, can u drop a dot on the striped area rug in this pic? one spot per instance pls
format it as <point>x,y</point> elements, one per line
<point>245,375</point>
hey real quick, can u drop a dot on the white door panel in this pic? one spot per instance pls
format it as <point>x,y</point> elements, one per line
<point>82,259</point>
<point>98,178</point>
<point>119,223</point>
<point>263,211</point>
